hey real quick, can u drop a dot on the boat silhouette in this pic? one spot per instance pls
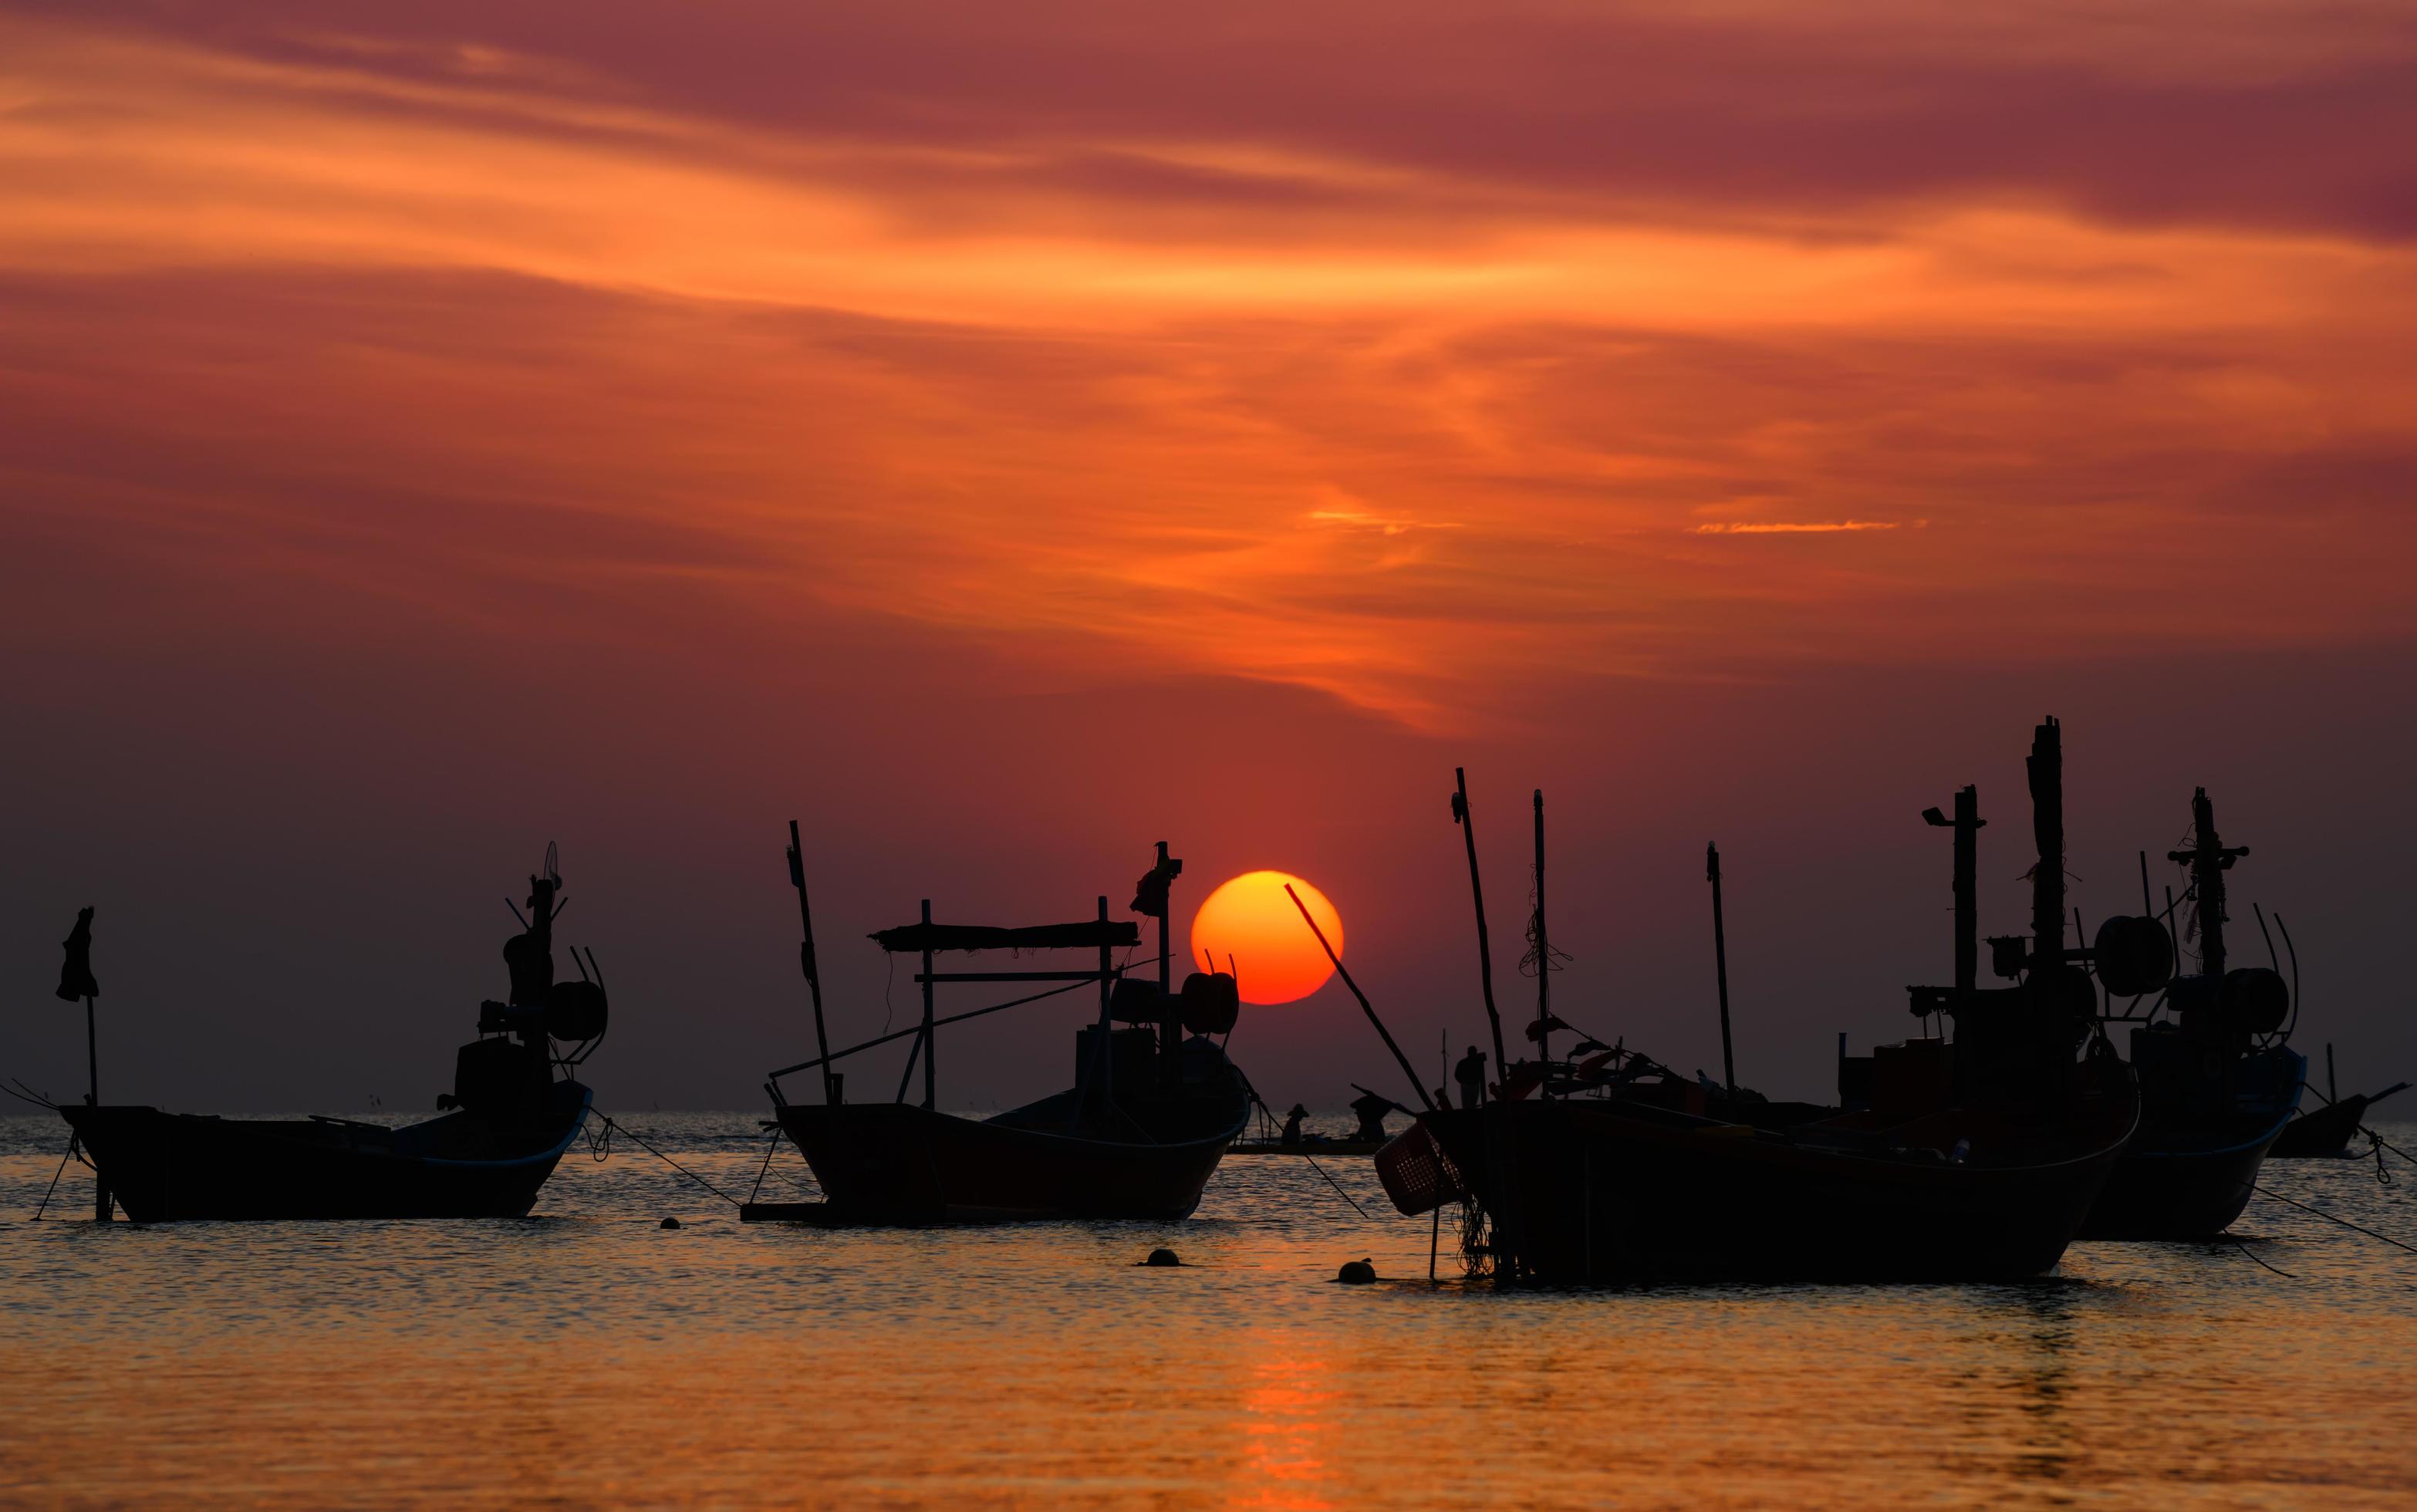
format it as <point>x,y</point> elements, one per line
<point>1974,1160</point>
<point>1154,1106</point>
<point>500,1132</point>
<point>2219,1081</point>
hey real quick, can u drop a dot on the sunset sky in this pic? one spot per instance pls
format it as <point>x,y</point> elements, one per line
<point>1002,437</point>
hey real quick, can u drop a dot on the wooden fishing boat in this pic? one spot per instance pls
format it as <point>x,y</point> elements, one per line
<point>167,1167</point>
<point>1976,1160</point>
<point>1581,1190</point>
<point>1154,1106</point>
<point>2319,1133</point>
<point>2186,1180</point>
<point>514,1108</point>
<point>2219,1082</point>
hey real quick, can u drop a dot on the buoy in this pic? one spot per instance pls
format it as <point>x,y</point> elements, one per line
<point>1356,1273</point>
<point>671,1223</point>
<point>1162,1256</point>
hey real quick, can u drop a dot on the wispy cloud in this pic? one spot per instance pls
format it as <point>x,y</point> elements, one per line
<point>1799,527</point>
<point>1393,380</point>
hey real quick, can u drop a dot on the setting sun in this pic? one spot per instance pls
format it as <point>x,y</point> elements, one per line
<point>1276,959</point>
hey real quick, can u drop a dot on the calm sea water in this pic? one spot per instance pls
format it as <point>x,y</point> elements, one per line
<point>589,1357</point>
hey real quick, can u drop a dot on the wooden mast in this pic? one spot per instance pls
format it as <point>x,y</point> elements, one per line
<point>1543,950</point>
<point>1721,965</point>
<point>1477,895</point>
<point>931,1047</point>
<point>2046,768</point>
<point>806,962</point>
<point>2209,861</point>
<point>1365,1007</point>
<point>1967,884</point>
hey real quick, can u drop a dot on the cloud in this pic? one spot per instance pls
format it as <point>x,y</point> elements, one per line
<point>1776,527</point>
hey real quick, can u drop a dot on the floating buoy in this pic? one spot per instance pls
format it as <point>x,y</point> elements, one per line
<point>1162,1256</point>
<point>671,1223</point>
<point>1356,1273</point>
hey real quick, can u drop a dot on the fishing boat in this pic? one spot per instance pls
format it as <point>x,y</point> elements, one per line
<point>514,1110</point>
<point>1154,1106</point>
<point>2219,1082</point>
<point>2322,1132</point>
<point>1976,1160</point>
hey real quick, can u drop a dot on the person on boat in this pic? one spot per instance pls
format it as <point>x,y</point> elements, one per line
<point>1470,1074</point>
<point>1372,1111</point>
<point>1292,1125</point>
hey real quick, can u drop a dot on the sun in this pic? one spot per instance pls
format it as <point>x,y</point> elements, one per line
<point>1276,959</point>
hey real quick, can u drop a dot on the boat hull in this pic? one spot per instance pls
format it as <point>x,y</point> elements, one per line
<point>889,1162</point>
<point>164,1167</point>
<point>2325,1131</point>
<point>1585,1191</point>
<point>2173,1187</point>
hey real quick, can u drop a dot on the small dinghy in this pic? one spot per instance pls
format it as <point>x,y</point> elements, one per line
<point>508,1120</point>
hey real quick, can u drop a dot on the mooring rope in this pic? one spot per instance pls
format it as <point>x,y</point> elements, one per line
<point>2245,1250</point>
<point>2333,1218</point>
<point>72,1140</point>
<point>659,1155</point>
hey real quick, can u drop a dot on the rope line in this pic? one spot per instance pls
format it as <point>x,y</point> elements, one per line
<point>72,1140</point>
<point>2332,1218</point>
<point>2245,1250</point>
<point>659,1155</point>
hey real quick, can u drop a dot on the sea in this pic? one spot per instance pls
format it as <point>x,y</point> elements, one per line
<point>589,1357</point>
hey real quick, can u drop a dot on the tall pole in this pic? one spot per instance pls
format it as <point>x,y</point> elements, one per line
<point>104,1207</point>
<point>1366,1008</point>
<point>1170,1023</point>
<point>1165,961</point>
<point>1108,1021</point>
<point>1477,894</point>
<point>2046,768</point>
<point>806,962</point>
<point>1721,965</point>
<point>2209,861</point>
<point>931,1049</point>
<point>1544,948</point>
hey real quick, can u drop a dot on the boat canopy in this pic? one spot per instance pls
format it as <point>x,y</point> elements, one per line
<point>1088,934</point>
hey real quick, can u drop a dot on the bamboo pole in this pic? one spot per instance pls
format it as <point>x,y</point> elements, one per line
<point>104,1206</point>
<point>1721,965</point>
<point>1477,896</point>
<point>806,962</point>
<point>1543,954</point>
<point>931,1051</point>
<point>1365,1007</point>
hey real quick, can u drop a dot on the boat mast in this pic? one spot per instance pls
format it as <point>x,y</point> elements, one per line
<point>1543,949</point>
<point>806,962</point>
<point>2209,861</point>
<point>2046,768</point>
<point>1967,824</point>
<point>1477,894</point>
<point>931,1046</point>
<point>1721,966</point>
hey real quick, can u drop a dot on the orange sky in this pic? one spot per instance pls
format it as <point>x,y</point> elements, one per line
<point>1416,360</point>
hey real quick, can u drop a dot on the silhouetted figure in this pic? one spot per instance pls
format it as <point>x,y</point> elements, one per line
<point>1371,1109</point>
<point>1470,1074</point>
<point>1292,1124</point>
<point>76,981</point>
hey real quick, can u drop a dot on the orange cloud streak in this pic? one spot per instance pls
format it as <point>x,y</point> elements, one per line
<point>1392,431</point>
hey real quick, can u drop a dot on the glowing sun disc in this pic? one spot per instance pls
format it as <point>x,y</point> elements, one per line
<point>1251,919</point>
